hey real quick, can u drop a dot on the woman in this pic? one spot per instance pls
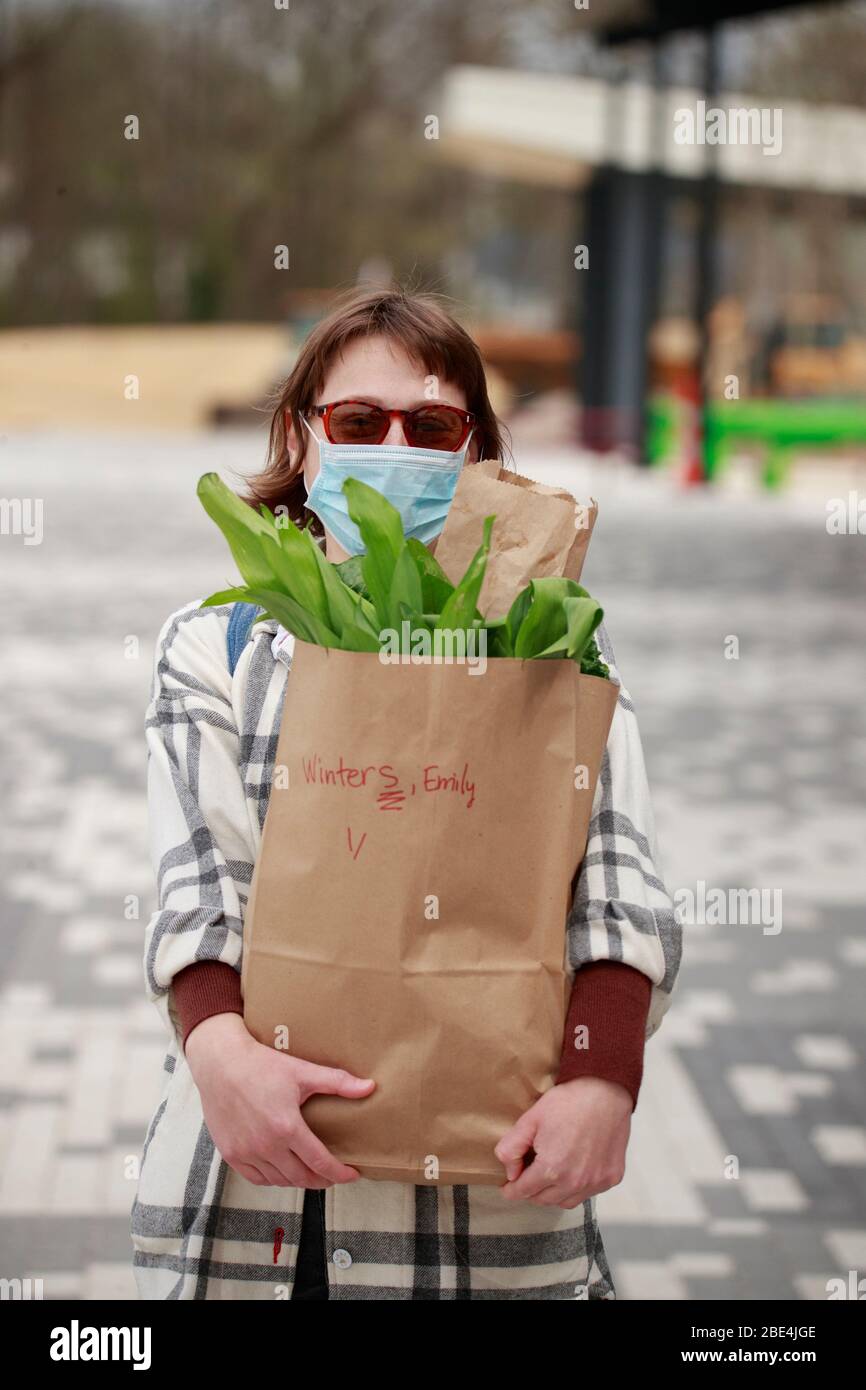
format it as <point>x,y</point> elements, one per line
<point>237,1197</point>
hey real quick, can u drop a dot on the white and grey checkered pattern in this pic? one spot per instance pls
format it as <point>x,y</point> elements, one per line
<point>200,1230</point>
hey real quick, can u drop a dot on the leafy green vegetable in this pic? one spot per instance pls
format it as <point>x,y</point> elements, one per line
<point>382,533</point>
<point>545,621</point>
<point>351,574</point>
<point>296,570</point>
<point>405,588</point>
<point>591,663</point>
<point>396,580</point>
<point>460,609</point>
<point>515,616</point>
<point>286,611</point>
<point>582,617</point>
<point>436,587</point>
<point>242,527</point>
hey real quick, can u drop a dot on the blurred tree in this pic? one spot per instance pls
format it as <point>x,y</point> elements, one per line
<point>817,54</point>
<point>301,127</point>
<point>257,128</point>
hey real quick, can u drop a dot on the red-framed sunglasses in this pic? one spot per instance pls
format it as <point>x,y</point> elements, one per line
<point>431,426</point>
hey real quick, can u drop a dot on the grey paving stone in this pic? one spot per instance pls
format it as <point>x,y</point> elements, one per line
<point>757,769</point>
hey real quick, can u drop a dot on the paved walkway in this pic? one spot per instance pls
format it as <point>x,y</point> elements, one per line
<point>747,1166</point>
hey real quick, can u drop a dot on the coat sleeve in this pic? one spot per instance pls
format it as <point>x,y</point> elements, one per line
<point>621,909</point>
<point>199,827</point>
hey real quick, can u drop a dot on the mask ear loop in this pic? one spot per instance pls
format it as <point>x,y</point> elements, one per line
<point>313,435</point>
<point>311,515</point>
<point>306,422</point>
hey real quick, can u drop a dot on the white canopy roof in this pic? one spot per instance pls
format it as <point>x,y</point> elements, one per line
<point>539,128</point>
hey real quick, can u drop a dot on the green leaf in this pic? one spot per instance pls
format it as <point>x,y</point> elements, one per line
<point>496,639</point>
<point>236,595</point>
<point>516,614</point>
<point>591,663</point>
<point>582,617</point>
<point>293,617</point>
<point>436,587</point>
<point>350,572</point>
<point>297,572</point>
<point>341,602</point>
<point>242,526</point>
<point>417,622</point>
<point>381,529</point>
<point>461,607</point>
<point>545,620</point>
<point>498,643</point>
<point>357,639</point>
<point>365,615</point>
<point>405,589</point>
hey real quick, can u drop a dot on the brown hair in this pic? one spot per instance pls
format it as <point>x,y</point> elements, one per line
<point>428,334</point>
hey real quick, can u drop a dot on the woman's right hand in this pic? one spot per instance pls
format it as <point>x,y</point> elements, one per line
<point>251,1099</point>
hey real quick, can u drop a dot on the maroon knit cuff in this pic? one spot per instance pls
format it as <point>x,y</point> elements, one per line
<point>609,1003</point>
<point>205,988</point>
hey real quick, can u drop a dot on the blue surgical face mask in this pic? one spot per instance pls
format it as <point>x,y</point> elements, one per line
<point>420,483</point>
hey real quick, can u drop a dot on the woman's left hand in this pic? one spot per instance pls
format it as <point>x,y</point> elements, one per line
<point>579,1131</point>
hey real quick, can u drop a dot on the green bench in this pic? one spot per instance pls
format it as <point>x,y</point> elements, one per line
<point>781,427</point>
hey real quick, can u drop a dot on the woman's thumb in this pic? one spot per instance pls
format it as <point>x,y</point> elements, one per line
<point>335,1081</point>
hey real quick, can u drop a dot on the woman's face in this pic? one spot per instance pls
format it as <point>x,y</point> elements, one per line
<point>378,370</point>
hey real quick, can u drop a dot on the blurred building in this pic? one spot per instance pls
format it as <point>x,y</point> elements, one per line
<point>653,167</point>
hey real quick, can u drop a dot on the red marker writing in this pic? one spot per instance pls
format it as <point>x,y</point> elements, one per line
<point>278,1241</point>
<point>355,852</point>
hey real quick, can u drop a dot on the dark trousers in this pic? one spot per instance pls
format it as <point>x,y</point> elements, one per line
<point>311,1275</point>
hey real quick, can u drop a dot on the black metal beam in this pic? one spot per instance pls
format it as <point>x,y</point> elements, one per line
<point>625,214</point>
<point>631,23</point>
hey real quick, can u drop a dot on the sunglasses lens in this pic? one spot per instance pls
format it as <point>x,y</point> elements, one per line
<point>434,427</point>
<point>353,423</point>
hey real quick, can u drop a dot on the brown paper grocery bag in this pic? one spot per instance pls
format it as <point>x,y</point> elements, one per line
<point>539,531</point>
<point>407,919</point>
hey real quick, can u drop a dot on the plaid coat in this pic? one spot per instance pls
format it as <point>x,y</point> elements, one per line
<point>199,1230</point>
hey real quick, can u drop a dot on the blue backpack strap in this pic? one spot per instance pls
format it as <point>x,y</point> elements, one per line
<point>242,617</point>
